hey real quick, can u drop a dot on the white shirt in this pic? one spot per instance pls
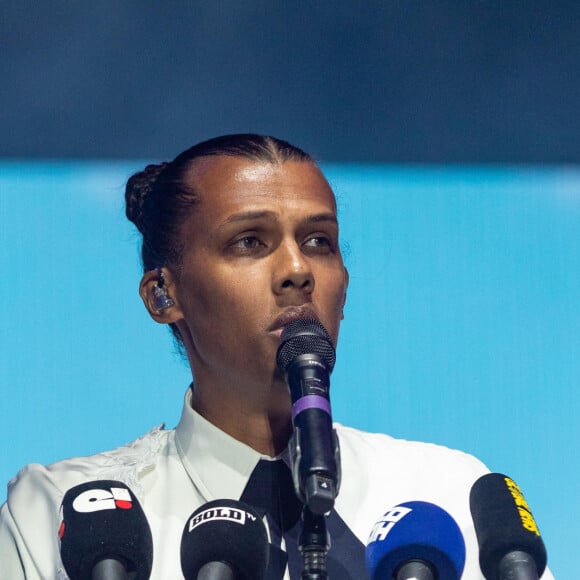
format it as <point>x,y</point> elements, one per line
<point>173,472</point>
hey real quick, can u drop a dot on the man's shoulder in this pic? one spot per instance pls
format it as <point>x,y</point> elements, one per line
<point>380,471</point>
<point>124,463</point>
<point>377,448</point>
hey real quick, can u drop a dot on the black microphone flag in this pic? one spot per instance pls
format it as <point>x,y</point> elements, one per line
<point>508,536</point>
<point>103,525</point>
<point>224,539</point>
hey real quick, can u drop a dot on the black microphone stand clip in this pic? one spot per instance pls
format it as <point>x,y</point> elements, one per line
<point>317,489</point>
<point>318,486</point>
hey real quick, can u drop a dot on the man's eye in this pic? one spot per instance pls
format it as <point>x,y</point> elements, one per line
<point>318,242</point>
<point>247,243</point>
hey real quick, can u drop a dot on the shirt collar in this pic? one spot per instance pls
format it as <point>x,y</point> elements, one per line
<point>218,464</point>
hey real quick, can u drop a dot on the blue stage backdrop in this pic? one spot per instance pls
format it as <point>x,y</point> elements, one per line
<point>462,323</point>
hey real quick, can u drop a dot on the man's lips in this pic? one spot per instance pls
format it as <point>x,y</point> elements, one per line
<point>290,315</point>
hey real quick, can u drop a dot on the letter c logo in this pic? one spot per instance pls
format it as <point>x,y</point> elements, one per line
<point>95,500</point>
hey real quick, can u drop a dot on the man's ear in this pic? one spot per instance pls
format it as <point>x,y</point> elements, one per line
<point>157,290</point>
<point>346,279</point>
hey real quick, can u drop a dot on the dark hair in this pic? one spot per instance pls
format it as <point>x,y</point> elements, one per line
<point>158,199</point>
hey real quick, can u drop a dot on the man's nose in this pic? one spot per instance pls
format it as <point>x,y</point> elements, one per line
<point>293,270</point>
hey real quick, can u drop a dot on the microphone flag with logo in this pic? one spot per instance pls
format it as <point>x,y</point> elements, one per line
<point>416,539</point>
<point>103,521</point>
<point>510,545</point>
<point>224,538</point>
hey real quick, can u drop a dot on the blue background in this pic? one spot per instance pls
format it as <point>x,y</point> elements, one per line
<point>462,322</point>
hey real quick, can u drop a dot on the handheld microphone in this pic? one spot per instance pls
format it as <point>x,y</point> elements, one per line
<point>510,545</point>
<point>104,533</point>
<point>306,357</point>
<point>415,540</point>
<point>224,540</point>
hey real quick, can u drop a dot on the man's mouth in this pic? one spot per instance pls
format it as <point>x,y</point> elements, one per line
<point>290,315</point>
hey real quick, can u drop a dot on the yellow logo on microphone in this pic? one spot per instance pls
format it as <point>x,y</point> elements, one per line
<point>524,510</point>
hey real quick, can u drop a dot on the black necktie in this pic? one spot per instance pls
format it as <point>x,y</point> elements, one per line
<point>270,490</point>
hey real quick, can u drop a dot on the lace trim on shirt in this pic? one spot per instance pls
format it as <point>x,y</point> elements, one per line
<point>128,464</point>
<point>131,462</point>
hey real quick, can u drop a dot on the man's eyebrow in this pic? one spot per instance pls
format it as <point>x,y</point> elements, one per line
<point>255,215</point>
<point>249,215</point>
<point>322,217</point>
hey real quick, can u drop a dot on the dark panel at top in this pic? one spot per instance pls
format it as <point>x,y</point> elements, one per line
<point>411,81</point>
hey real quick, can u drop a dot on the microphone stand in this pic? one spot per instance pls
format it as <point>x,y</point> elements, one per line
<point>517,565</point>
<point>109,569</point>
<point>321,488</point>
<point>313,545</point>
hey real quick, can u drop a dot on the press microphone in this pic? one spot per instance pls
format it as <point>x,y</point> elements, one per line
<point>306,357</point>
<point>104,533</point>
<point>415,540</point>
<point>510,545</point>
<point>224,540</point>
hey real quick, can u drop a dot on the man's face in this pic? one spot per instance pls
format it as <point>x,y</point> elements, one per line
<point>259,250</point>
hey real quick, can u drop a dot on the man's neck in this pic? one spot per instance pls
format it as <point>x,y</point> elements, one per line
<point>264,425</point>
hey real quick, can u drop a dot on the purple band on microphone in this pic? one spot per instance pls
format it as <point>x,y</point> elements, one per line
<point>310,402</point>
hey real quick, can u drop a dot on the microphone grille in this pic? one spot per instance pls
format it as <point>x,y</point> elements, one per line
<point>305,336</point>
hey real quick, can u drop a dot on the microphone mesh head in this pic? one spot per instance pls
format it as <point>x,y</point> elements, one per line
<point>305,336</point>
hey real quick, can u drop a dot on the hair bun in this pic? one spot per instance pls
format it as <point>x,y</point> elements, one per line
<point>139,186</point>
